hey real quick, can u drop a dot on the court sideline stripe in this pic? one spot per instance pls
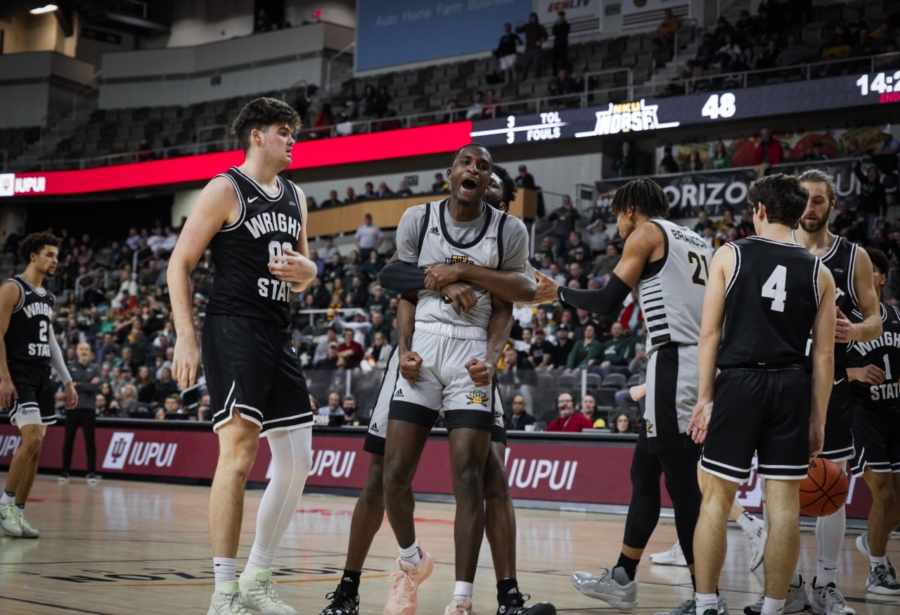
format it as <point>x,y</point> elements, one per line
<point>53,606</point>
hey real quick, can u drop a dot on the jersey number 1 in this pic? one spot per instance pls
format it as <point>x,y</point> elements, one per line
<point>774,288</point>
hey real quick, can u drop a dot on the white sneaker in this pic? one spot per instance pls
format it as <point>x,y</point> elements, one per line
<point>25,527</point>
<point>613,587</point>
<point>673,557</point>
<point>9,521</point>
<point>796,600</point>
<point>881,581</point>
<point>460,607</point>
<point>862,543</point>
<point>757,537</point>
<point>258,593</point>
<point>828,600</point>
<point>227,601</point>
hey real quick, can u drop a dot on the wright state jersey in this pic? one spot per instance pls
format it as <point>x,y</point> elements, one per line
<point>428,235</point>
<point>841,261</point>
<point>883,353</point>
<point>671,290</point>
<point>242,251</point>
<point>771,302</point>
<point>27,338</point>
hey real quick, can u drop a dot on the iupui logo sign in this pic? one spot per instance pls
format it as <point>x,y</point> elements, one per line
<point>123,450</point>
<point>11,186</point>
<point>337,464</point>
<point>535,473</point>
<point>627,117</point>
<point>9,445</point>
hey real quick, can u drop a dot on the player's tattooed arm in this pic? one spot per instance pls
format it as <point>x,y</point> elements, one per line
<point>9,299</point>
<point>499,327</point>
<point>870,328</point>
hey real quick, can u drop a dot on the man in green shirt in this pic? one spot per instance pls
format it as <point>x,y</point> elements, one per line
<point>587,352</point>
<point>617,352</point>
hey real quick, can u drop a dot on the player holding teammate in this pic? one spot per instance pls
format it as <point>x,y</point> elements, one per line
<point>765,295</point>
<point>875,380</point>
<point>852,271</point>
<point>668,263</point>
<point>500,522</point>
<point>255,223</point>
<point>27,352</point>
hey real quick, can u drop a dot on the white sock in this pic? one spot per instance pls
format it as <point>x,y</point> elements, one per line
<point>830,538</point>
<point>410,555</point>
<point>874,560</point>
<point>772,607</point>
<point>462,590</point>
<point>706,601</point>
<point>260,559</point>
<point>7,498</point>
<point>224,568</point>
<point>747,522</point>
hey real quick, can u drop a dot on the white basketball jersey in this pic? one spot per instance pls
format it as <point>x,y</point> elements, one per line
<point>672,297</point>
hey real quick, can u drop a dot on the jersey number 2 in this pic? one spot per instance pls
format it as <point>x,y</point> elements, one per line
<point>698,260</point>
<point>774,288</point>
<point>42,330</point>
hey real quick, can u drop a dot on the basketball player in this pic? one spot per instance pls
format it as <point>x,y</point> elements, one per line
<point>852,271</point>
<point>448,353</point>
<point>668,263</point>
<point>875,381</point>
<point>255,223</point>
<point>770,293</point>
<point>27,352</point>
<point>500,523</point>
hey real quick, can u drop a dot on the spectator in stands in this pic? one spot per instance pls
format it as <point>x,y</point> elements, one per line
<point>881,35</point>
<point>621,424</point>
<point>747,61</point>
<point>368,238</point>
<point>768,57</point>
<point>377,302</point>
<point>165,387</point>
<point>586,353</point>
<point>564,345</point>
<point>854,150</point>
<point>351,102</point>
<point>617,352</point>
<point>665,31</point>
<point>703,222</point>
<point>331,361</point>
<point>575,245</point>
<point>865,45</point>
<point>723,29</point>
<point>368,103</point>
<point>856,23</point>
<point>351,417</point>
<point>562,85</point>
<point>334,270</point>
<point>606,263</point>
<point>333,408</point>
<point>668,164</point>
<point>577,275</point>
<point>706,53</point>
<point>541,352</point>
<point>889,146</point>
<point>324,122</point>
<point>369,193</point>
<point>569,420</point>
<point>729,54</point>
<point>492,106</point>
<point>535,35</point>
<point>792,55</point>
<point>693,163</point>
<point>477,106</point>
<point>837,48</point>
<point>507,53</point>
<point>769,149</point>
<point>564,218</point>
<point>454,113</point>
<point>333,200</point>
<point>598,236</point>
<point>721,159</point>
<point>379,352</point>
<point>440,183</point>
<point>329,249</point>
<point>526,180</point>
<point>519,419</point>
<point>872,196</point>
<point>589,411</point>
<point>350,350</point>
<point>816,154</point>
<point>404,190</point>
<point>624,164</point>
<point>560,55</point>
<point>372,267</point>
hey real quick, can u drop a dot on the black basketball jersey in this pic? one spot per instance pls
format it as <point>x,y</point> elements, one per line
<point>883,353</point>
<point>841,261</point>
<point>27,338</point>
<point>241,252</point>
<point>771,303</point>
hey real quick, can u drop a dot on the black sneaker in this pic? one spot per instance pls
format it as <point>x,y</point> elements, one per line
<point>517,607</point>
<point>92,478</point>
<point>63,478</point>
<point>342,604</point>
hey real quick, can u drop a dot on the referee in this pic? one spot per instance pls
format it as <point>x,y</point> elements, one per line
<point>86,376</point>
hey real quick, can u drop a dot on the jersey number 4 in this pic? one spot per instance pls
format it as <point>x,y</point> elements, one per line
<point>774,288</point>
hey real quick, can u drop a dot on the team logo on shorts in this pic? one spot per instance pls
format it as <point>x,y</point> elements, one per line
<point>457,258</point>
<point>649,427</point>
<point>478,397</point>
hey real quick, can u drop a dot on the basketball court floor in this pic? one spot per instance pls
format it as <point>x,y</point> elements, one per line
<point>126,548</point>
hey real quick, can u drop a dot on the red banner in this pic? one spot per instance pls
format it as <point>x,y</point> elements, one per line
<point>565,472</point>
<point>308,154</point>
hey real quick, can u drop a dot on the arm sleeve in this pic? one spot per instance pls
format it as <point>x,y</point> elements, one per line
<point>402,278</point>
<point>603,301</point>
<point>515,248</point>
<point>58,362</point>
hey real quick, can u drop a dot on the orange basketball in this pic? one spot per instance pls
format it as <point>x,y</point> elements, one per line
<point>824,490</point>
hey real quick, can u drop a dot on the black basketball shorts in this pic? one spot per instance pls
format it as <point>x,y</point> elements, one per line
<point>764,412</point>
<point>839,422</point>
<point>251,367</point>
<point>876,434</point>
<point>378,422</point>
<point>34,404</point>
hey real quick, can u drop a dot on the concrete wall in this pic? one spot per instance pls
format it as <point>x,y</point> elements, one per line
<point>25,92</point>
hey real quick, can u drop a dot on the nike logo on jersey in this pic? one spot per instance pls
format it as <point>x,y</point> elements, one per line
<point>837,382</point>
<point>251,199</point>
<point>27,292</point>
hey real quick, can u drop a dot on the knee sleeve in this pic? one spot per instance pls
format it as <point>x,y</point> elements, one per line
<point>643,511</point>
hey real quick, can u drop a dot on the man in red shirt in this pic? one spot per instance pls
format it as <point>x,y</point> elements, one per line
<point>568,419</point>
<point>769,149</point>
<point>351,351</point>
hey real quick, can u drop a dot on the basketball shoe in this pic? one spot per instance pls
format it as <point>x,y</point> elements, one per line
<point>827,600</point>
<point>460,606</point>
<point>92,479</point>
<point>689,607</point>
<point>673,557</point>
<point>25,527</point>
<point>9,521</point>
<point>515,605</point>
<point>341,603</point>
<point>613,587</point>
<point>795,603</point>
<point>227,601</point>
<point>757,537</point>
<point>402,599</point>
<point>881,581</point>
<point>63,478</point>
<point>258,593</point>
<point>862,543</point>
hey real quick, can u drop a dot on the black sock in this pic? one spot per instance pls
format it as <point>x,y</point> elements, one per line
<point>21,507</point>
<point>10,494</point>
<point>350,583</point>
<point>507,590</point>
<point>628,565</point>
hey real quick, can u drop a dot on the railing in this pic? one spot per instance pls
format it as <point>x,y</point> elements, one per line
<point>693,33</point>
<point>531,105</point>
<point>91,274</point>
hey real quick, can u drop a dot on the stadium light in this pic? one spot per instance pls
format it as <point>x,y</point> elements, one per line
<point>44,9</point>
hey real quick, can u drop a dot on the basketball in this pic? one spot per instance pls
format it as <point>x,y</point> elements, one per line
<point>824,490</point>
